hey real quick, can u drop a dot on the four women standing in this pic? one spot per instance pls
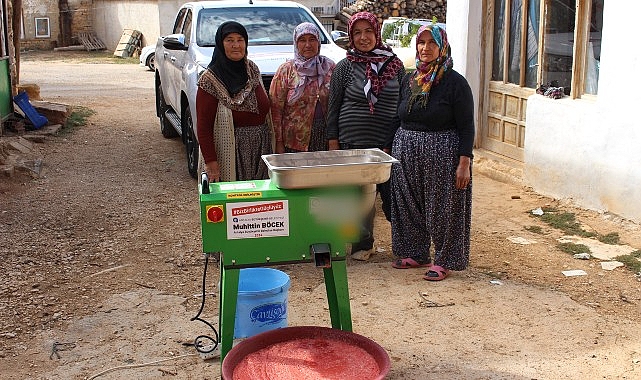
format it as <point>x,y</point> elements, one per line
<point>317,105</point>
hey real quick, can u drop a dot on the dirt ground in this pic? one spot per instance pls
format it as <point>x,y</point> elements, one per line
<point>101,253</point>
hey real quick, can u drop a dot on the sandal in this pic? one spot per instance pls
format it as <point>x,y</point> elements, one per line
<point>409,262</point>
<point>436,273</point>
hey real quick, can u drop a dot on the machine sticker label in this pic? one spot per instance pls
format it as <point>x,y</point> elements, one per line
<point>247,194</point>
<point>247,220</point>
<point>237,186</point>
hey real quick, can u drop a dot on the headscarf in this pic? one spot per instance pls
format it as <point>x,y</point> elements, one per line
<point>233,74</point>
<point>382,63</point>
<point>314,68</point>
<point>231,82</point>
<point>428,75</point>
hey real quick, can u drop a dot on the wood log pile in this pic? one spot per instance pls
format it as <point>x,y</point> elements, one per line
<point>404,8</point>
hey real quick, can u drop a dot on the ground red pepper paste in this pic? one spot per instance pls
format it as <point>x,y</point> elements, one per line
<point>308,358</point>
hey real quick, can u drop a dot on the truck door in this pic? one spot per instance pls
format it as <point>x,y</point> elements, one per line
<point>173,61</point>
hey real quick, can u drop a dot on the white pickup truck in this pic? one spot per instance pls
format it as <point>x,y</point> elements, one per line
<point>182,56</point>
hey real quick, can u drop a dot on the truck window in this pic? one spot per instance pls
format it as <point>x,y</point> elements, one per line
<point>186,30</point>
<point>179,21</point>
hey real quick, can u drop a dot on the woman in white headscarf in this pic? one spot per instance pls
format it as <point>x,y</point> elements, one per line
<point>299,94</point>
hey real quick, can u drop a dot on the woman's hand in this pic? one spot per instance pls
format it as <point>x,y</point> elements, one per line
<point>463,172</point>
<point>333,144</point>
<point>213,171</point>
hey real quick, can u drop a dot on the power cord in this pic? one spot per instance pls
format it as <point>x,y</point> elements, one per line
<point>205,350</point>
<point>137,365</point>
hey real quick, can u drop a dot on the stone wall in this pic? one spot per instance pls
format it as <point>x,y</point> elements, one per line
<point>81,18</point>
<point>41,24</point>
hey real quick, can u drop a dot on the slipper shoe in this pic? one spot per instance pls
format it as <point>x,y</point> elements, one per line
<point>409,262</point>
<point>441,273</point>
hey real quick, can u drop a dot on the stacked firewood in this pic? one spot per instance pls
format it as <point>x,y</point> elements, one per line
<point>404,8</point>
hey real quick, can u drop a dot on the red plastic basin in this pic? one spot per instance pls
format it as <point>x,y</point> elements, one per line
<point>290,334</point>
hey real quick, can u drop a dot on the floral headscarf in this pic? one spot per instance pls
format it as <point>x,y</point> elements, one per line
<point>314,68</point>
<point>428,75</point>
<point>382,63</point>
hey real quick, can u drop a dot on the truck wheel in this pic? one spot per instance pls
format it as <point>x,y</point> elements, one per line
<point>167,130</point>
<point>191,144</point>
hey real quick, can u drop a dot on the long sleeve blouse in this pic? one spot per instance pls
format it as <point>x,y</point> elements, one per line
<point>206,109</point>
<point>293,120</point>
<point>450,107</point>
<point>348,117</point>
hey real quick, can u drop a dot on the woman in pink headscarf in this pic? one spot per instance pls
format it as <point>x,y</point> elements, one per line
<point>362,103</point>
<point>299,93</point>
<point>432,183</point>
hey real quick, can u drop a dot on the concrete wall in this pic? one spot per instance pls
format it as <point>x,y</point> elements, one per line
<point>464,33</point>
<point>111,17</point>
<point>583,150</point>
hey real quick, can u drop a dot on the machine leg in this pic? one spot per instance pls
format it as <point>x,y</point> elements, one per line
<point>227,311</point>
<point>338,295</point>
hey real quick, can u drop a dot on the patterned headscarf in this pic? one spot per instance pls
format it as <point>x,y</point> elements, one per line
<point>428,75</point>
<point>314,68</point>
<point>382,63</point>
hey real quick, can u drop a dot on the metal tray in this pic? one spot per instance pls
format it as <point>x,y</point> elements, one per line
<point>329,168</point>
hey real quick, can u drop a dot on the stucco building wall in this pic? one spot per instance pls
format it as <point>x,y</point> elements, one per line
<point>582,150</point>
<point>111,17</point>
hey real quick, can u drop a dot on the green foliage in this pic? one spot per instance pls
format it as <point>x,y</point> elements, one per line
<point>611,238</point>
<point>566,222</point>
<point>573,249</point>
<point>78,118</point>
<point>407,38</point>
<point>631,261</point>
<point>534,229</point>
<point>387,31</point>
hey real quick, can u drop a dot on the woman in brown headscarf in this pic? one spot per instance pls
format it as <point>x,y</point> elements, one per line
<point>232,110</point>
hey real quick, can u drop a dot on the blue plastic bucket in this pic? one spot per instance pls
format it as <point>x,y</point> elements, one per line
<point>262,301</point>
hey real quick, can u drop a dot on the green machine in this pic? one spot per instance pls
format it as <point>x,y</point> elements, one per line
<point>307,212</point>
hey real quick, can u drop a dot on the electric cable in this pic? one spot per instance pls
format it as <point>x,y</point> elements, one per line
<point>137,365</point>
<point>198,342</point>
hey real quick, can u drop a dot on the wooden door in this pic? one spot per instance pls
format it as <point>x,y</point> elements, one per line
<point>511,75</point>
